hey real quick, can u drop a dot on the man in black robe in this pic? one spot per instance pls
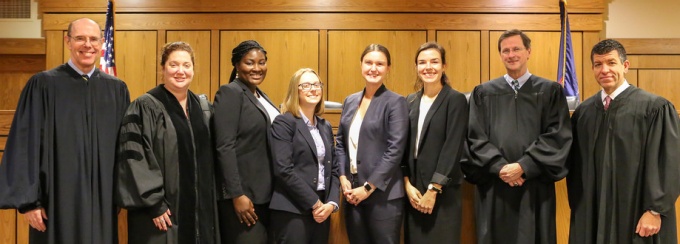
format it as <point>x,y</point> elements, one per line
<point>519,136</point>
<point>624,164</point>
<point>57,168</point>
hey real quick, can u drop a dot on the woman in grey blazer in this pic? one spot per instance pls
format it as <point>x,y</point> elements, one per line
<point>369,146</point>
<point>243,114</point>
<point>438,118</point>
<point>306,189</point>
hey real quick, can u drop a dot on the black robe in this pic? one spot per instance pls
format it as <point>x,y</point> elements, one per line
<point>533,128</point>
<point>166,162</point>
<point>623,162</point>
<point>60,155</point>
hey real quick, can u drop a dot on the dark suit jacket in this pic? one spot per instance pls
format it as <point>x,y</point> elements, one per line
<point>296,167</point>
<point>441,139</point>
<point>382,141</point>
<point>241,125</point>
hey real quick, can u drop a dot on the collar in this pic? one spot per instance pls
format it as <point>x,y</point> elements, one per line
<point>305,119</point>
<point>80,72</point>
<point>522,79</point>
<point>616,92</point>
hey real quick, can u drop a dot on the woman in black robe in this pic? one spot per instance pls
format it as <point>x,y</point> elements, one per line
<point>165,169</point>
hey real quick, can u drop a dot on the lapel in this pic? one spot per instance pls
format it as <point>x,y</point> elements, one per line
<point>349,110</point>
<point>414,113</point>
<point>433,109</point>
<point>304,131</point>
<point>324,131</point>
<point>371,111</point>
<point>254,100</point>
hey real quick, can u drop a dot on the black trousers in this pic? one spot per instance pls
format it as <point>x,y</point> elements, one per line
<point>374,221</point>
<point>233,231</point>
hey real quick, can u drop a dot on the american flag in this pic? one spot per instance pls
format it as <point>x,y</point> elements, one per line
<point>107,62</point>
<point>566,69</point>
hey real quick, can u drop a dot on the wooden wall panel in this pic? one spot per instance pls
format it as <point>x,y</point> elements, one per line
<point>563,212</point>
<point>54,48</point>
<point>632,77</point>
<point>651,46</point>
<point>136,60</point>
<point>588,85</point>
<point>200,42</point>
<point>463,53</point>
<point>344,64</point>
<point>12,85</point>
<point>661,82</point>
<point>654,61</point>
<point>544,54</point>
<point>8,225</point>
<point>22,46</point>
<point>287,51</point>
<point>533,6</point>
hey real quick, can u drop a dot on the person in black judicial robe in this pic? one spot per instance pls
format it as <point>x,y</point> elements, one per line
<point>166,163</point>
<point>59,155</point>
<point>624,162</point>
<point>529,127</point>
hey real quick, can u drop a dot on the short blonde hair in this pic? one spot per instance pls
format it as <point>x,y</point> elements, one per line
<point>292,102</point>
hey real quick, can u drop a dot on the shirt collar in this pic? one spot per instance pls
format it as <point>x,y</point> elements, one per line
<point>305,119</point>
<point>80,72</point>
<point>522,79</point>
<point>616,92</point>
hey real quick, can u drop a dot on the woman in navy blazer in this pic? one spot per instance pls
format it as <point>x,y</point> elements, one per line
<point>438,118</point>
<point>307,186</point>
<point>369,147</point>
<point>243,115</point>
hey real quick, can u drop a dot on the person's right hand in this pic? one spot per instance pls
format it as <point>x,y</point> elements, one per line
<point>413,194</point>
<point>35,219</point>
<point>345,185</point>
<point>245,210</point>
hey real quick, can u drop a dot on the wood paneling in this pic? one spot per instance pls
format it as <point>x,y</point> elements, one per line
<point>22,46</point>
<point>200,43</point>
<point>661,82</point>
<point>54,48</point>
<point>654,61</point>
<point>136,60</point>
<point>6,117</point>
<point>651,46</point>
<point>632,77</point>
<point>344,64</point>
<point>563,212</point>
<point>588,85</point>
<point>12,85</point>
<point>8,226</point>
<point>287,51</point>
<point>18,63</point>
<point>502,6</point>
<point>543,57</point>
<point>463,59</point>
<point>334,21</point>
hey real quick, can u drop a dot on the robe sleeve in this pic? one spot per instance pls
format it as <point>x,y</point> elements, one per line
<point>20,186</point>
<point>282,148</point>
<point>452,150</point>
<point>140,183</point>
<point>484,157</point>
<point>546,157</point>
<point>662,161</point>
<point>396,131</point>
<point>226,119</point>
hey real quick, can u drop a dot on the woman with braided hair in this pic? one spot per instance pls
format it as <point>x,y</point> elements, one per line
<point>243,115</point>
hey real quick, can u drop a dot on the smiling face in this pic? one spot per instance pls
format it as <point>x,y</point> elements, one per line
<point>84,42</point>
<point>252,68</point>
<point>609,70</point>
<point>374,67</point>
<point>430,66</point>
<point>178,71</point>
<point>514,55</point>
<point>311,97</point>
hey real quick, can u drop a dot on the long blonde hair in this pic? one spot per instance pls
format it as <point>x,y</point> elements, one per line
<point>292,102</point>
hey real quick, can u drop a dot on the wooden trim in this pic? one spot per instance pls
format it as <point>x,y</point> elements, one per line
<point>161,37</point>
<point>431,35</point>
<point>346,6</point>
<point>22,63</point>
<point>335,21</point>
<point>214,63</point>
<point>485,69</point>
<point>651,46</point>
<point>22,46</point>
<point>323,61</point>
<point>6,117</point>
<point>54,48</point>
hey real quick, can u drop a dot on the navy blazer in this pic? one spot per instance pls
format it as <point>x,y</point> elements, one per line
<point>296,167</point>
<point>241,125</point>
<point>441,139</point>
<point>382,141</point>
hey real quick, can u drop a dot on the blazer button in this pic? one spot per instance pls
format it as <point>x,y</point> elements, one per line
<point>314,180</point>
<point>358,162</point>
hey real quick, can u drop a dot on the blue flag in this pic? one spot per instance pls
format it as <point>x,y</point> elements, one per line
<point>566,70</point>
<point>107,62</point>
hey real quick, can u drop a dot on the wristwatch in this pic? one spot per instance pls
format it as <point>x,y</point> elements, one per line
<point>367,187</point>
<point>655,213</point>
<point>432,187</point>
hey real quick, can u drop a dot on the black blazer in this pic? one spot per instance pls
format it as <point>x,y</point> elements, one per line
<point>441,139</point>
<point>296,167</point>
<point>382,142</point>
<point>241,125</point>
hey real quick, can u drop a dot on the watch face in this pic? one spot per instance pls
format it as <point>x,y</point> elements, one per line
<point>368,187</point>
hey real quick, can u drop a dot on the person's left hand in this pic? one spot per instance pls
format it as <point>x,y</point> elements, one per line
<point>357,195</point>
<point>512,174</point>
<point>648,225</point>
<point>426,203</point>
<point>321,213</point>
<point>163,222</point>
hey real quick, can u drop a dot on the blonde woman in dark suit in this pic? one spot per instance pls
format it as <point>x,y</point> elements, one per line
<point>438,117</point>
<point>243,115</point>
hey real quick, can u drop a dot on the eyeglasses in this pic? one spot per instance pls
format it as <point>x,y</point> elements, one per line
<point>514,50</point>
<point>310,86</point>
<point>84,39</point>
